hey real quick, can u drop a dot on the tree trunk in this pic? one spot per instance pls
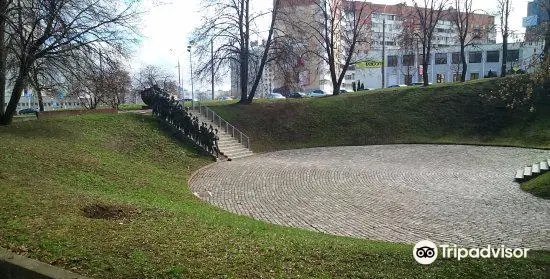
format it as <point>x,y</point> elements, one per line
<point>3,50</point>
<point>464,63</point>
<point>504,55</point>
<point>18,88</point>
<point>243,57</point>
<point>425,63</point>
<point>547,40</point>
<point>40,100</point>
<point>264,55</point>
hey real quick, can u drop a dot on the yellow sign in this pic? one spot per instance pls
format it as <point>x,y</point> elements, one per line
<point>369,64</point>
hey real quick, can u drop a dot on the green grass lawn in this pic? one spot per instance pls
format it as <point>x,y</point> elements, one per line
<point>56,172</point>
<point>126,107</point>
<point>448,113</point>
<point>540,186</point>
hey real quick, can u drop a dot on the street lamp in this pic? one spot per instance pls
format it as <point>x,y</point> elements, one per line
<point>191,76</point>
<point>180,86</point>
<point>212,66</point>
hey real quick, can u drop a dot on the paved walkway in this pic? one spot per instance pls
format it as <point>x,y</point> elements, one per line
<point>401,193</point>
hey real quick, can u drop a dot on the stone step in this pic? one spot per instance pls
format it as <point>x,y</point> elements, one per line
<point>226,139</point>
<point>236,150</point>
<point>228,144</point>
<point>233,157</point>
<point>535,169</point>
<point>519,176</point>
<point>241,153</point>
<point>544,166</point>
<point>527,172</point>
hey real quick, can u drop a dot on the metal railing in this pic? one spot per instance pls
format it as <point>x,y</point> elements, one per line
<point>224,125</point>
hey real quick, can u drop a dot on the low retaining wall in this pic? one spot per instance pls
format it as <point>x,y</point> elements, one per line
<point>13,266</point>
<point>56,113</point>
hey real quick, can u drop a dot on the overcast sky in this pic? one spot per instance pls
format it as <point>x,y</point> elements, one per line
<point>166,29</point>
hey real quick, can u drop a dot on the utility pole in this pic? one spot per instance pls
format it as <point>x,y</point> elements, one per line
<point>212,66</point>
<point>180,89</point>
<point>191,76</point>
<point>383,52</point>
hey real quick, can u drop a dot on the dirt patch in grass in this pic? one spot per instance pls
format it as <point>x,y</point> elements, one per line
<point>110,212</point>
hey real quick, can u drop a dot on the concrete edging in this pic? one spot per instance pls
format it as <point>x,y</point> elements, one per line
<point>14,266</point>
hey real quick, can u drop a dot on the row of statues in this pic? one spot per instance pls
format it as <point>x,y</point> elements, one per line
<point>171,111</point>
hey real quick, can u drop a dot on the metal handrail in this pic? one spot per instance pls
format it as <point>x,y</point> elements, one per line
<point>223,124</point>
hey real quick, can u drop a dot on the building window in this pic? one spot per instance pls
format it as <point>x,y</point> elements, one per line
<point>475,57</point>
<point>457,77</point>
<point>440,78</point>
<point>456,58</point>
<point>474,76</point>
<point>440,58</point>
<point>513,55</point>
<point>392,61</point>
<point>408,60</point>
<point>420,58</point>
<point>493,56</point>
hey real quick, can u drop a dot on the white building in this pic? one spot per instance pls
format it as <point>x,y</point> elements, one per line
<point>29,99</point>
<point>445,66</point>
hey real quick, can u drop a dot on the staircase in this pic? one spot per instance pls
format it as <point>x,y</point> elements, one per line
<point>532,171</point>
<point>233,143</point>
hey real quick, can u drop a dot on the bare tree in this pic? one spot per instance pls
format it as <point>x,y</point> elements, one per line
<point>504,9</point>
<point>117,83</point>
<point>461,17</point>
<point>408,48</point>
<point>40,29</point>
<point>4,8</point>
<point>336,26</point>
<point>229,26</point>
<point>42,79</point>
<point>427,17</point>
<point>151,75</point>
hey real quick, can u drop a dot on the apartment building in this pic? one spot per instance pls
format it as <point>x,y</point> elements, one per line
<point>537,20</point>
<point>265,86</point>
<point>385,24</point>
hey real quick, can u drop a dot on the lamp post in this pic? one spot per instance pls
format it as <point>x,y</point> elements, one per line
<point>180,85</point>
<point>191,76</point>
<point>212,66</point>
<point>383,50</point>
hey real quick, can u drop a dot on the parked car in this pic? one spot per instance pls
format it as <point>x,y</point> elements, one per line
<point>397,85</point>
<point>317,93</point>
<point>28,111</point>
<point>275,96</point>
<point>419,83</point>
<point>297,95</point>
<point>344,91</point>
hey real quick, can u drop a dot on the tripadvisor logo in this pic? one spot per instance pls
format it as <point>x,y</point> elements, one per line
<point>426,252</point>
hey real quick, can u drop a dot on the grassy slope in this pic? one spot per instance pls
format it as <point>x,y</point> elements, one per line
<point>450,113</point>
<point>539,186</point>
<point>50,169</point>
